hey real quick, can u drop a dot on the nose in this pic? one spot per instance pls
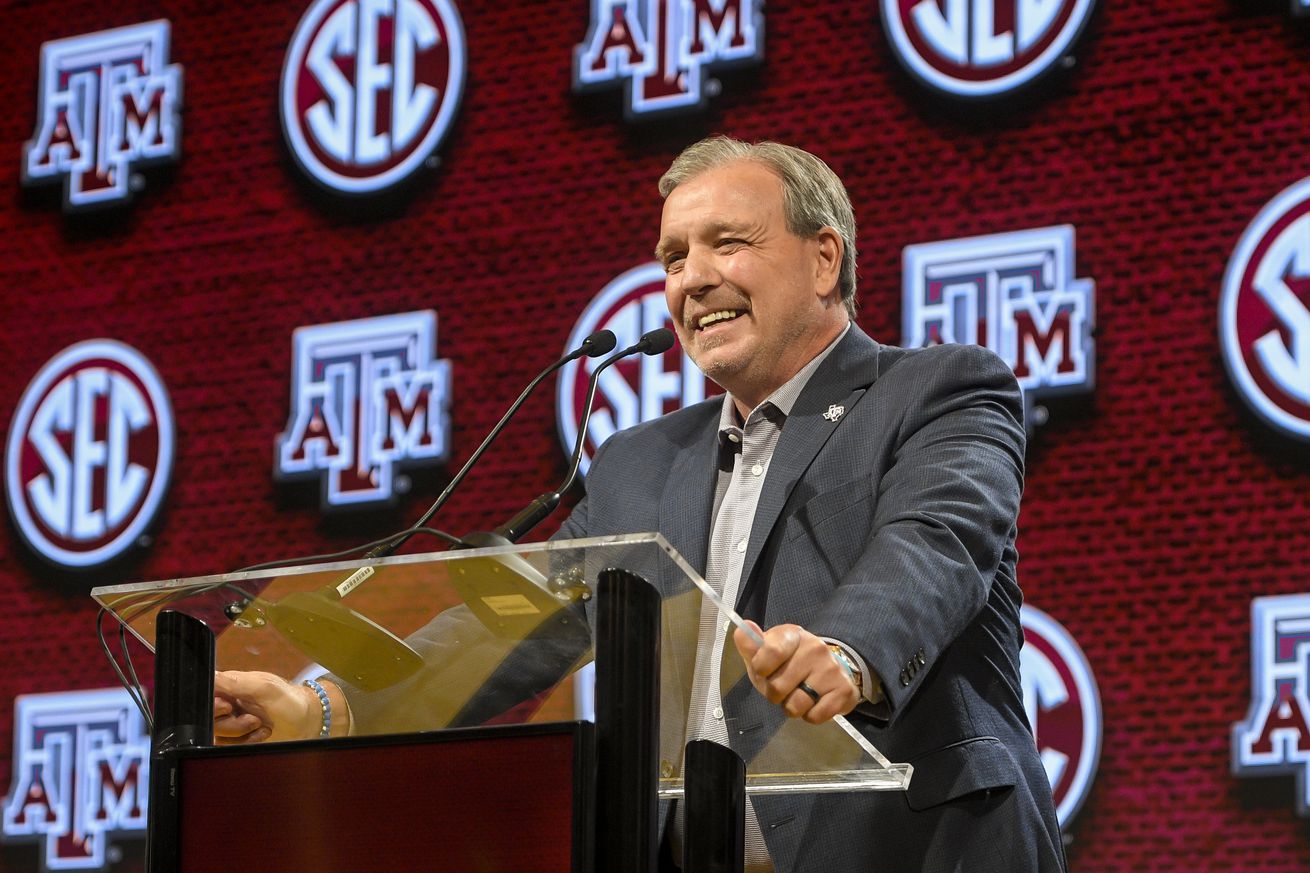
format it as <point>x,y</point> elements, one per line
<point>698,273</point>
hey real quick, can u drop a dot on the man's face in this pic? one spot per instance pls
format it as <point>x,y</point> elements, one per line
<point>752,302</point>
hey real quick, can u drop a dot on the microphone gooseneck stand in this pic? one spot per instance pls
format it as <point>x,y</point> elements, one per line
<point>655,342</point>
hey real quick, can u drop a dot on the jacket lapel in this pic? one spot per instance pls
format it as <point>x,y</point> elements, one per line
<point>840,381</point>
<point>688,497</point>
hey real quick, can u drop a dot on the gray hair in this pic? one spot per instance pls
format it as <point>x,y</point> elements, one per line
<point>812,196</point>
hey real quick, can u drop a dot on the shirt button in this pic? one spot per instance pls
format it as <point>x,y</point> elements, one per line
<point>741,546</point>
<point>718,713</point>
<point>758,470</point>
<point>734,437</point>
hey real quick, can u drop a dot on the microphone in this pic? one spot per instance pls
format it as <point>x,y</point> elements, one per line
<point>599,343</point>
<point>350,644</point>
<point>541,610</point>
<point>655,342</point>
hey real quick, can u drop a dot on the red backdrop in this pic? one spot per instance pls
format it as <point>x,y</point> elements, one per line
<point>1154,511</point>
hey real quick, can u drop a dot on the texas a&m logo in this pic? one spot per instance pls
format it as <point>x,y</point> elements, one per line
<point>982,48</point>
<point>660,49</point>
<point>89,454</point>
<point>1014,293</point>
<point>638,388</point>
<point>80,775</point>
<point>1264,313</point>
<point>370,88</point>
<point>106,101</point>
<point>1063,707</point>
<point>1275,737</point>
<point>366,396</point>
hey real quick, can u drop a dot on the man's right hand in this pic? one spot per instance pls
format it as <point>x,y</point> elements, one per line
<point>253,707</point>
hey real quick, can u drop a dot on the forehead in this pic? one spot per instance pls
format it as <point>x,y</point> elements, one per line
<point>741,192</point>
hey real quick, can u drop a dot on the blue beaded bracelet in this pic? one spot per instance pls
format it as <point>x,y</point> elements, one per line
<point>325,703</point>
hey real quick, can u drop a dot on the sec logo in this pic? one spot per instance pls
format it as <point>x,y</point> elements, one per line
<point>636,389</point>
<point>1063,707</point>
<point>89,454</point>
<point>982,48</point>
<point>1264,313</point>
<point>370,88</point>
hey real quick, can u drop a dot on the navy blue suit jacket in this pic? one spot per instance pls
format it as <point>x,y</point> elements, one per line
<point>892,529</point>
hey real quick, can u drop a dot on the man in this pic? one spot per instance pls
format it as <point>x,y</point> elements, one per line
<point>856,501</point>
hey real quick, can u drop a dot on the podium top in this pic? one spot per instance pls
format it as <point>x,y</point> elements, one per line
<point>493,636</point>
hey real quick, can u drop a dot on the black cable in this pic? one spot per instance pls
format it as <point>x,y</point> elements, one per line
<point>141,695</point>
<point>404,534</point>
<point>146,601</point>
<point>127,684</point>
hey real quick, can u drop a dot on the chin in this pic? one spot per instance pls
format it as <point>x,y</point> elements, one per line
<point>717,350</point>
<point>719,367</point>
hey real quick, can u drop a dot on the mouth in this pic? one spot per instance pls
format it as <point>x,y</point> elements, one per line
<point>717,317</point>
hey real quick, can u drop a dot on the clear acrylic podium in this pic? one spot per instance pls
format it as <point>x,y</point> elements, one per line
<point>471,643</point>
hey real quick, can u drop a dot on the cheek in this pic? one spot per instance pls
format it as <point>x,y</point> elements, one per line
<point>673,300</point>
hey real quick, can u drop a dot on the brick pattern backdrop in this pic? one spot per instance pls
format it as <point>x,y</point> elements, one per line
<point>1154,511</point>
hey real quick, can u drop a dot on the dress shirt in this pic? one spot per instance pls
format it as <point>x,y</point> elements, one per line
<point>745,450</point>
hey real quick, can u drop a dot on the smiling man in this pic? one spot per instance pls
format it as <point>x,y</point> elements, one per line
<point>858,502</point>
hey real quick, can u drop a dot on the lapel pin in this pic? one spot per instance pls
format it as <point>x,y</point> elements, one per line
<point>834,412</point>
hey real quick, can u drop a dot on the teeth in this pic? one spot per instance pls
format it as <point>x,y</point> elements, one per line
<point>721,315</point>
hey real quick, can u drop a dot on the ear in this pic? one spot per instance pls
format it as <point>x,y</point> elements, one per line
<point>829,249</point>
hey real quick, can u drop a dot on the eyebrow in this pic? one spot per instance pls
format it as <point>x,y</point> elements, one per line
<point>715,229</point>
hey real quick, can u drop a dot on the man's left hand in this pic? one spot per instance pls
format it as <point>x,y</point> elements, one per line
<point>791,655</point>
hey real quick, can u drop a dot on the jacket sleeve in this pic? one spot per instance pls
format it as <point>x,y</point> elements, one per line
<point>946,510</point>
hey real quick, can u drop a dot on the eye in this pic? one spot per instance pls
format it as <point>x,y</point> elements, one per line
<point>729,242</point>
<point>673,263</point>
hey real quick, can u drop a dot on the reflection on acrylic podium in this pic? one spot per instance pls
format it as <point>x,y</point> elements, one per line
<point>462,756</point>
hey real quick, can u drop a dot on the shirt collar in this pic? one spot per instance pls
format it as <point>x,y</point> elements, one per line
<point>782,399</point>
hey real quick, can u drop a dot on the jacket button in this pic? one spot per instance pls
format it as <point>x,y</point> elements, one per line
<point>905,679</point>
<point>920,659</point>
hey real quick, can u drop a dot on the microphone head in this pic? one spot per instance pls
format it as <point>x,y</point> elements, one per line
<point>657,342</point>
<point>602,342</point>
